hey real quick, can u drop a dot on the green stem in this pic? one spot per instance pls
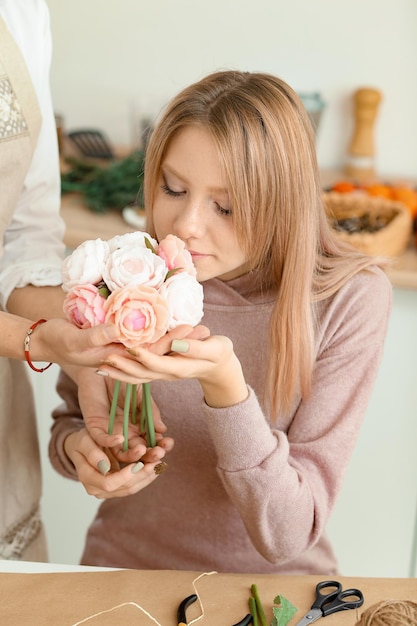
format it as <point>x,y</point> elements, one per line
<point>150,428</point>
<point>134,404</point>
<point>253,611</point>
<point>143,413</point>
<point>259,606</point>
<point>126,412</point>
<point>113,407</point>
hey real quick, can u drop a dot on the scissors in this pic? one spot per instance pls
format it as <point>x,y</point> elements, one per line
<point>182,609</point>
<point>332,602</point>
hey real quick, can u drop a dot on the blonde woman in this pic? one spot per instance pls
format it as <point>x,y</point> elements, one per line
<point>266,410</point>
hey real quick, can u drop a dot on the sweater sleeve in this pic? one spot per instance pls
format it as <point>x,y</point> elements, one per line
<point>67,419</point>
<point>284,481</point>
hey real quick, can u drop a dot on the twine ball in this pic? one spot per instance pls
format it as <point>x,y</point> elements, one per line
<point>390,613</point>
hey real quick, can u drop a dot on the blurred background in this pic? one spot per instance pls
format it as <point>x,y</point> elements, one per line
<point>117,62</point>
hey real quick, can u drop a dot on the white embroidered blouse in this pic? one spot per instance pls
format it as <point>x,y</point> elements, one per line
<point>33,247</point>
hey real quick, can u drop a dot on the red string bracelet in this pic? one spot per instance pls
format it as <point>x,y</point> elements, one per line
<point>27,348</point>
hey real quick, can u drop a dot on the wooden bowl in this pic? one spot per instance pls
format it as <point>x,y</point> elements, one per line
<point>387,223</point>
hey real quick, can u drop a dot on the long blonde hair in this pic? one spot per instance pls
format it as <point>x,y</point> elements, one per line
<point>267,146</point>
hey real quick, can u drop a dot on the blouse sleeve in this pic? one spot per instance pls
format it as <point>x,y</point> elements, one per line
<point>33,242</point>
<point>284,481</point>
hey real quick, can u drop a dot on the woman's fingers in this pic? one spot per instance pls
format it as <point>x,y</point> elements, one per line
<point>137,444</point>
<point>102,475</point>
<point>154,455</point>
<point>163,345</point>
<point>192,358</point>
<point>116,484</point>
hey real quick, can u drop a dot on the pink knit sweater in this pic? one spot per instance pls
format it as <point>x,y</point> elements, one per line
<point>238,494</point>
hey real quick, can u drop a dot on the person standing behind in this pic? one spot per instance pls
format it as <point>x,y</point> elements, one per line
<point>31,253</point>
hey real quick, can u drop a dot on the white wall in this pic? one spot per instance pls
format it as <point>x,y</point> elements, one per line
<point>116,61</point>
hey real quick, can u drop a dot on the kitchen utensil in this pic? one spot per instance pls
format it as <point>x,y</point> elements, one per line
<point>91,143</point>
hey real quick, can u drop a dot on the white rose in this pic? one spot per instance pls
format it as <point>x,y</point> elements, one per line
<point>85,264</point>
<point>184,295</point>
<point>130,240</point>
<point>134,265</point>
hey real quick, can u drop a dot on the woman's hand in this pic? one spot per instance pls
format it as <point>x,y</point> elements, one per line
<point>209,359</point>
<point>61,342</point>
<point>95,395</point>
<point>100,472</point>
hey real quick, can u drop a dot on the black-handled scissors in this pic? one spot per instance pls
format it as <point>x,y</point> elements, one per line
<point>338,599</point>
<point>184,604</point>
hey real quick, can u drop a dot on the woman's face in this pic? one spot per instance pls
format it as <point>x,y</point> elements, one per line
<point>192,202</point>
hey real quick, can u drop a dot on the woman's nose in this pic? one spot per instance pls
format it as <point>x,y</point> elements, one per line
<point>190,221</point>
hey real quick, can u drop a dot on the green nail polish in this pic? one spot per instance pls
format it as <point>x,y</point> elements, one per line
<point>132,351</point>
<point>103,467</point>
<point>136,468</point>
<point>179,345</point>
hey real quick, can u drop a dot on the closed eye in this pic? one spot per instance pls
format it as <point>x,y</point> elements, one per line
<point>171,192</point>
<point>223,211</point>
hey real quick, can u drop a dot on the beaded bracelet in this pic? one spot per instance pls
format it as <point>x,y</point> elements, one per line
<point>27,348</point>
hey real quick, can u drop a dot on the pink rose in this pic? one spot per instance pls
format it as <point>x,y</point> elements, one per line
<point>84,306</point>
<point>172,250</point>
<point>140,314</point>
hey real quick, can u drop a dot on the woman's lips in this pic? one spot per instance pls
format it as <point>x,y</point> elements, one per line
<point>197,255</point>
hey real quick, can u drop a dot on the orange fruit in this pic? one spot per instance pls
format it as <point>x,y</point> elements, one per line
<point>379,190</point>
<point>344,186</point>
<point>407,196</point>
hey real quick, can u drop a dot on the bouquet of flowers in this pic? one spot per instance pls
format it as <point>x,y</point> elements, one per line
<point>144,287</point>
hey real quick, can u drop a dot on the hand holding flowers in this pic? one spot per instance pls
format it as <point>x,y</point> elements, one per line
<point>105,470</point>
<point>144,288</point>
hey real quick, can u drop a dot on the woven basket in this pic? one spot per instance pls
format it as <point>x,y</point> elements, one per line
<point>390,240</point>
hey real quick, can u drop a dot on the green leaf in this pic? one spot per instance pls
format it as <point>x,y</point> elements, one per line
<point>104,291</point>
<point>149,245</point>
<point>172,272</point>
<point>112,186</point>
<point>283,612</point>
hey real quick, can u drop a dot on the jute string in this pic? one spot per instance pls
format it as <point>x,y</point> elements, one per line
<point>144,611</point>
<point>390,613</point>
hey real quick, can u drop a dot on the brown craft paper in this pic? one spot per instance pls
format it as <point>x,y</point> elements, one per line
<point>63,599</point>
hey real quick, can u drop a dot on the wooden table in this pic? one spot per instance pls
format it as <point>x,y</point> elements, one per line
<point>82,223</point>
<point>64,599</point>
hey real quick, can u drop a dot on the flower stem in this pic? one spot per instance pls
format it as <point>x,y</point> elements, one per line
<point>261,612</point>
<point>113,408</point>
<point>253,611</point>
<point>126,412</point>
<point>147,401</point>
<point>143,412</point>
<point>134,404</point>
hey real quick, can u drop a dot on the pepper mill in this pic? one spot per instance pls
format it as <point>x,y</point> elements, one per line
<point>361,160</point>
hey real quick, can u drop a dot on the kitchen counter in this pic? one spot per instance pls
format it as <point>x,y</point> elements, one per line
<point>82,223</point>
